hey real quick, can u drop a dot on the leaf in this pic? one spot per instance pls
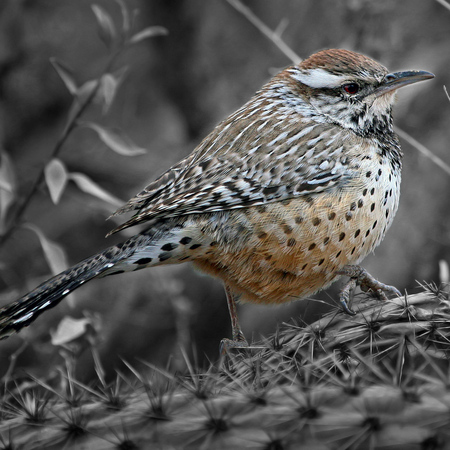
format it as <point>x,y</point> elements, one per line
<point>56,179</point>
<point>53,253</point>
<point>116,140</point>
<point>69,329</point>
<point>90,187</point>
<point>107,91</point>
<point>7,187</point>
<point>444,272</point>
<point>86,89</point>
<point>107,29</point>
<point>65,75</point>
<point>126,23</point>
<point>148,33</point>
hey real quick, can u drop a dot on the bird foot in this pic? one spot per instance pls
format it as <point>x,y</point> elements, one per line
<point>360,276</point>
<point>238,342</point>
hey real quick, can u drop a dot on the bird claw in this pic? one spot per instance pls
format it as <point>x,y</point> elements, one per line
<point>228,344</point>
<point>359,276</point>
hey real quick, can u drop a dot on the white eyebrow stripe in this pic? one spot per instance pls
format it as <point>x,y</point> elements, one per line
<point>319,78</point>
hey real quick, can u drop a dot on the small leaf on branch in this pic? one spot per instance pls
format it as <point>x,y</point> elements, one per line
<point>107,29</point>
<point>148,33</point>
<point>85,184</point>
<point>56,179</point>
<point>108,87</point>
<point>7,187</point>
<point>116,140</point>
<point>126,22</point>
<point>70,329</point>
<point>53,253</point>
<point>66,76</point>
<point>86,89</point>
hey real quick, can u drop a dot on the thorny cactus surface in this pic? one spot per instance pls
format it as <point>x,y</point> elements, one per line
<point>376,380</point>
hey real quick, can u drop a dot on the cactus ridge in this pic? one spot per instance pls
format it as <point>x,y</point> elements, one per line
<point>379,380</point>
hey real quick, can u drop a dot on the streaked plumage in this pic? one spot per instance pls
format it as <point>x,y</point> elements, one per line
<point>277,201</point>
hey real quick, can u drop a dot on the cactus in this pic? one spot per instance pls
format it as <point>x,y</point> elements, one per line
<point>378,380</point>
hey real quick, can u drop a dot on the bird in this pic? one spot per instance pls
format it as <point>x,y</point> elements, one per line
<point>284,197</point>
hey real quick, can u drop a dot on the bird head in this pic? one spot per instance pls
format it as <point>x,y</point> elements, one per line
<point>349,89</point>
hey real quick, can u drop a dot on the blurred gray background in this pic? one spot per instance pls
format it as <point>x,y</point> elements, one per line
<point>177,88</point>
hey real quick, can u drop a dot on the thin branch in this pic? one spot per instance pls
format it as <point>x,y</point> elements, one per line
<point>422,149</point>
<point>446,93</point>
<point>444,4</point>
<point>70,126</point>
<point>273,36</point>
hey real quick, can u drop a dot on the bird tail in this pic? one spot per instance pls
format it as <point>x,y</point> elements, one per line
<point>156,246</point>
<point>21,313</point>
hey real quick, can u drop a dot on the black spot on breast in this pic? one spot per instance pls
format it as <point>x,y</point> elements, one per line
<point>312,246</point>
<point>353,206</point>
<point>360,203</point>
<point>331,215</point>
<point>298,220</point>
<point>364,192</point>
<point>183,258</point>
<point>143,261</point>
<point>374,224</point>
<point>338,253</point>
<point>341,237</point>
<point>321,262</point>
<point>168,247</point>
<point>304,266</point>
<point>372,191</point>
<point>348,215</point>
<point>185,240</point>
<point>372,207</point>
<point>368,232</point>
<point>326,240</point>
<point>357,232</point>
<point>193,247</point>
<point>316,221</point>
<point>287,229</point>
<point>262,235</point>
<point>368,174</point>
<point>291,242</point>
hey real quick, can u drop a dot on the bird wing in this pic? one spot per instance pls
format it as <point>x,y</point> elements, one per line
<point>243,163</point>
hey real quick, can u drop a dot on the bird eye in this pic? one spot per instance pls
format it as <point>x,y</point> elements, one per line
<point>351,88</point>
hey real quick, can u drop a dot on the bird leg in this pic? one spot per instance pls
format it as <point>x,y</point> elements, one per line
<point>359,276</point>
<point>239,340</point>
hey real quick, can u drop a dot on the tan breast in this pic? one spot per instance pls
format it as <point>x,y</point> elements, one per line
<point>285,250</point>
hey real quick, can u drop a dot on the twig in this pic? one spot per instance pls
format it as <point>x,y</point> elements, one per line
<point>444,4</point>
<point>274,36</point>
<point>446,93</point>
<point>422,149</point>
<point>12,363</point>
<point>20,210</point>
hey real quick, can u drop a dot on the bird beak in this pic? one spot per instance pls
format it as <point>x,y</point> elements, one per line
<point>393,81</point>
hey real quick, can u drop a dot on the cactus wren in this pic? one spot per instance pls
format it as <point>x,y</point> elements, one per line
<point>285,196</point>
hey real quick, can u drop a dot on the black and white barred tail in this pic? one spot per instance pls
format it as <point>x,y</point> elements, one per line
<point>156,246</point>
